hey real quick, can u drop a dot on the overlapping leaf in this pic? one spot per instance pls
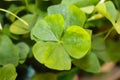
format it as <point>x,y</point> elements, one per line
<point>55,46</point>
<point>72,14</point>
<point>20,28</point>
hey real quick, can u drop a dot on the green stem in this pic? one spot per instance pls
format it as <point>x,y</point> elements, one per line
<point>26,3</point>
<point>15,16</point>
<point>106,36</point>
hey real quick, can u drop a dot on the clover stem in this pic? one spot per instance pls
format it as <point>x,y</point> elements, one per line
<point>15,16</point>
<point>60,42</point>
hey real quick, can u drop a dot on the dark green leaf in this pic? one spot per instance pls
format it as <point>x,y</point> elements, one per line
<point>113,49</point>
<point>99,48</point>
<point>8,72</point>
<point>45,76</point>
<point>8,51</point>
<point>88,63</point>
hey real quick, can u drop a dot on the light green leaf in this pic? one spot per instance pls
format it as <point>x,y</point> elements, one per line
<point>88,63</point>
<point>117,25</point>
<point>20,28</point>
<point>88,9</point>
<point>76,41</point>
<point>56,26</point>
<point>8,72</point>
<point>52,55</point>
<point>71,14</point>
<point>8,51</point>
<point>109,11</point>
<point>49,29</point>
<point>23,51</point>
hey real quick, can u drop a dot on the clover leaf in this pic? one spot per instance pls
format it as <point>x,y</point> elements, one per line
<point>108,10</point>
<point>9,53</point>
<point>56,45</point>
<point>71,14</point>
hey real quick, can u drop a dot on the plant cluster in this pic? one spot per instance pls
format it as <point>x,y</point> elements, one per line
<point>59,34</point>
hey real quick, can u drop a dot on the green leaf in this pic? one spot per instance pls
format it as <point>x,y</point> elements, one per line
<point>88,9</point>
<point>80,3</point>
<point>52,55</point>
<point>76,41</point>
<point>99,48</point>
<point>23,51</point>
<point>51,38</point>
<point>20,28</point>
<point>113,50</point>
<point>8,72</point>
<point>71,14</point>
<point>7,32</point>
<point>8,51</point>
<point>117,25</point>
<point>109,11</point>
<point>49,29</point>
<point>88,63</point>
<point>56,26</point>
<point>68,75</point>
<point>45,76</point>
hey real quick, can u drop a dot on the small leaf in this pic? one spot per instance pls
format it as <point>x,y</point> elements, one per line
<point>23,51</point>
<point>76,41</point>
<point>8,51</point>
<point>8,72</point>
<point>52,55</point>
<point>88,63</point>
<point>117,25</point>
<point>20,28</point>
<point>71,14</point>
